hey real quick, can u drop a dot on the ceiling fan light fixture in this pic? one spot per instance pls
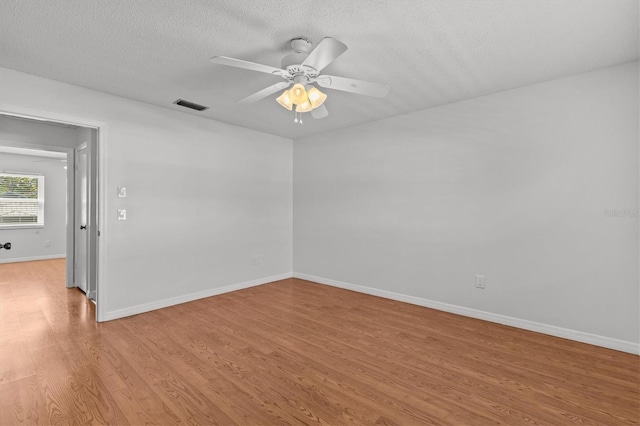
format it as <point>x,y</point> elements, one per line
<point>304,107</point>
<point>297,94</point>
<point>302,70</point>
<point>316,97</point>
<point>285,100</point>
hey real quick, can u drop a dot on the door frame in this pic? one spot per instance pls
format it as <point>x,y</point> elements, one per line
<point>97,252</point>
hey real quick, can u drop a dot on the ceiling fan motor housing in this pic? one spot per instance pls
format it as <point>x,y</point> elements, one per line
<point>293,62</point>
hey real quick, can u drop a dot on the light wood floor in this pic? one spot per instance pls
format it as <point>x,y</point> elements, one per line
<point>290,352</point>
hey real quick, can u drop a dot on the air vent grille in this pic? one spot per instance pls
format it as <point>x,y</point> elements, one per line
<point>190,105</point>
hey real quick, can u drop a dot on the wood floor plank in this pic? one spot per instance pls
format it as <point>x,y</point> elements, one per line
<point>178,393</point>
<point>379,380</point>
<point>54,374</point>
<point>122,399</point>
<point>227,362</point>
<point>245,361</point>
<point>291,352</point>
<point>543,368</point>
<point>22,402</point>
<point>14,367</point>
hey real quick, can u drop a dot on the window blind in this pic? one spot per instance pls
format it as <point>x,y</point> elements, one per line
<point>21,200</point>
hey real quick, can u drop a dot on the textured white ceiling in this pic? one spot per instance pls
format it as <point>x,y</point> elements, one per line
<point>429,52</point>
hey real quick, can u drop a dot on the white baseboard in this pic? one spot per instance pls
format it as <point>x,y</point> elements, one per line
<point>579,336</point>
<point>164,303</point>
<point>31,258</point>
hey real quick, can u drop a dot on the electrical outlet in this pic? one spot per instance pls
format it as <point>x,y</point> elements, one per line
<point>480,281</point>
<point>122,192</point>
<point>122,214</point>
<point>257,259</point>
<point>47,243</point>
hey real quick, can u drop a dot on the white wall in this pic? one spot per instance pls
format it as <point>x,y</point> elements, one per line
<point>513,186</point>
<point>28,133</point>
<point>203,197</point>
<point>30,244</point>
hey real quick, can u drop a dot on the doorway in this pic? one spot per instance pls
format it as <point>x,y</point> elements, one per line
<point>80,145</point>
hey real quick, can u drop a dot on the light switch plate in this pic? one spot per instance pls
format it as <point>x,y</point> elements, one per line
<point>122,192</point>
<point>122,214</point>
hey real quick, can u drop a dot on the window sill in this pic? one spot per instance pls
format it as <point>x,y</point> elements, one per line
<point>25,226</point>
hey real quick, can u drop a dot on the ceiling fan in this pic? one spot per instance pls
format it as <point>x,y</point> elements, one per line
<point>302,69</point>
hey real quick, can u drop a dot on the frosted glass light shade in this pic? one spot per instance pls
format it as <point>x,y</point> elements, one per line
<point>316,97</point>
<point>285,100</point>
<point>297,94</point>
<point>304,107</point>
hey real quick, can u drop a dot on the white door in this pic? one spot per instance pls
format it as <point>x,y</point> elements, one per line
<point>81,217</point>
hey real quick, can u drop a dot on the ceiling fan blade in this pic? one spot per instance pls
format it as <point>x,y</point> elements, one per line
<point>354,86</point>
<point>320,112</point>
<point>264,92</point>
<point>238,63</point>
<point>325,52</point>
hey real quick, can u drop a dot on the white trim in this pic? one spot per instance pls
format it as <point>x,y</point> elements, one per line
<point>42,153</point>
<point>579,336</point>
<point>71,202</point>
<point>8,227</point>
<point>38,114</point>
<point>31,258</point>
<point>101,285</point>
<point>164,303</point>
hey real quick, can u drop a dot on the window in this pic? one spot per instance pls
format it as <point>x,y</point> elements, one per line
<point>21,200</point>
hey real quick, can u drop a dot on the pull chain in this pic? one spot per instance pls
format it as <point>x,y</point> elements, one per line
<point>297,117</point>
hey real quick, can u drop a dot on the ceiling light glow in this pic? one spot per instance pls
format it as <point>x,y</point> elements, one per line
<point>285,100</point>
<point>305,98</point>
<point>316,97</point>
<point>297,94</point>
<point>304,107</point>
